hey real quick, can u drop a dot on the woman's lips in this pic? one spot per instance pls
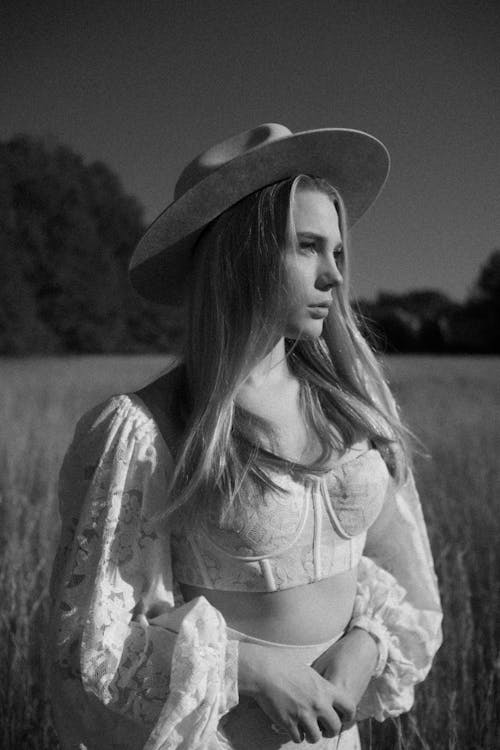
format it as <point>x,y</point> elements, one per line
<point>319,311</point>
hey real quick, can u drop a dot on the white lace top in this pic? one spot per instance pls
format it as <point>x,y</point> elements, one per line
<point>314,529</point>
<point>122,680</point>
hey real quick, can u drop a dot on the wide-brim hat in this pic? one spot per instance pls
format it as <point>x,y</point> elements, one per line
<point>353,162</point>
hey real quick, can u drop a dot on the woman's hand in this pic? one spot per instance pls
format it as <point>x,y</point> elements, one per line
<point>294,696</point>
<point>349,663</point>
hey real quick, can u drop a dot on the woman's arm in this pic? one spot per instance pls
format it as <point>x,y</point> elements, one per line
<point>402,622</point>
<point>397,599</point>
<point>111,575</point>
<point>397,604</point>
<point>350,664</point>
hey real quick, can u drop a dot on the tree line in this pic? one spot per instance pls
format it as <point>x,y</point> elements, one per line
<point>429,321</point>
<point>67,229</point>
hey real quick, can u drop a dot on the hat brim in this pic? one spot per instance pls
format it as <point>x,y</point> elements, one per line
<point>355,163</point>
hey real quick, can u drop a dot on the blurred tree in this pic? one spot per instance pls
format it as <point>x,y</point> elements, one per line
<point>389,327</point>
<point>66,232</point>
<point>426,304</point>
<point>482,310</point>
<point>408,322</point>
<point>21,331</point>
<point>487,286</point>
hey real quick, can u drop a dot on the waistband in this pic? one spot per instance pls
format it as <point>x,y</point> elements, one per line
<point>305,650</point>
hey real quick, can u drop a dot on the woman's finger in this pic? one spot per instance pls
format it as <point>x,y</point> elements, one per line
<point>330,723</point>
<point>309,729</point>
<point>290,728</point>
<point>343,705</point>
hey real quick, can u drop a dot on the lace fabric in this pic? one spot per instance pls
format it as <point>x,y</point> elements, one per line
<point>125,677</point>
<point>315,528</point>
<point>397,595</point>
<point>111,573</point>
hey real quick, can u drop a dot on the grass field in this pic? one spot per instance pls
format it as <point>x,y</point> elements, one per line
<point>452,404</point>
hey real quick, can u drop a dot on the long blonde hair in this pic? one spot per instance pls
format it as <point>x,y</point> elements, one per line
<point>237,312</point>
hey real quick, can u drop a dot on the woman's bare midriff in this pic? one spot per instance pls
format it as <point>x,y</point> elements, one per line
<point>311,613</point>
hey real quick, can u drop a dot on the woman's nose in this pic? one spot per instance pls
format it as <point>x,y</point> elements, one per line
<point>329,275</point>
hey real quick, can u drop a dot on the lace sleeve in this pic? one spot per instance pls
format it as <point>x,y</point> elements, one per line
<point>398,602</point>
<point>119,676</point>
<point>397,598</point>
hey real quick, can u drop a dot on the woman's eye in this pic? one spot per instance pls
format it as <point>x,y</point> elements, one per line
<point>308,247</point>
<point>338,254</point>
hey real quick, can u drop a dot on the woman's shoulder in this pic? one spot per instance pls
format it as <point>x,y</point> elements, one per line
<point>117,449</point>
<point>120,418</point>
<point>140,417</point>
<point>161,400</point>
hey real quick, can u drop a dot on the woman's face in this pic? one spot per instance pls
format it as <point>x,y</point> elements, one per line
<point>312,267</point>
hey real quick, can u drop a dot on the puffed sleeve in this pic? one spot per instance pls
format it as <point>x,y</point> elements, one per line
<point>397,598</point>
<point>121,675</point>
<point>398,602</point>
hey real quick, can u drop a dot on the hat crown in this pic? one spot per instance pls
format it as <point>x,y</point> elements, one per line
<point>216,156</point>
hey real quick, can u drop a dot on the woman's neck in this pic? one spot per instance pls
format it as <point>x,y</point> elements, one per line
<point>272,369</point>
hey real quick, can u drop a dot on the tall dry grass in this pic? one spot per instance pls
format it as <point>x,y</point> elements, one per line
<point>454,407</point>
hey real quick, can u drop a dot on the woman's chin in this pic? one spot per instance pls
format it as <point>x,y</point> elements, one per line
<point>311,330</point>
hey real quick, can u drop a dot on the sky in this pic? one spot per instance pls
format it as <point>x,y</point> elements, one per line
<point>146,85</point>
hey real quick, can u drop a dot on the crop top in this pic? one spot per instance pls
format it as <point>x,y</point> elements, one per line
<point>315,529</point>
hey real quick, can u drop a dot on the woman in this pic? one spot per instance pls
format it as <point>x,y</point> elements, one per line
<point>244,561</point>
